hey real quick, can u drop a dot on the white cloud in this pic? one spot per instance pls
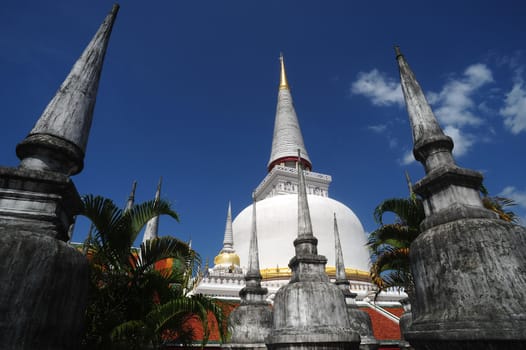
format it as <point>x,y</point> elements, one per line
<point>456,109</point>
<point>408,158</point>
<point>380,128</point>
<point>514,110</point>
<point>518,196</point>
<point>461,140</point>
<point>380,89</point>
<point>454,105</point>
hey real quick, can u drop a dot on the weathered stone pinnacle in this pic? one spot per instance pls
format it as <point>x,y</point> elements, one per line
<point>131,198</point>
<point>448,191</point>
<point>360,321</point>
<point>250,323</point>
<point>58,140</point>
<point>45,280</point>
<point>301,320</point>
<point>228,241</point>
<point>468,266</point>
<point>152,227</point>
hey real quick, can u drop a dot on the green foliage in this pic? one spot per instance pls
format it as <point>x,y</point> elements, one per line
<point>132,304</point>
<point>499,206</point>
<point>389,244</point>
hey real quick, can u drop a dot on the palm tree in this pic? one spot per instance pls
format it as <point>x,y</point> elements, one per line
<point>499,206</point>
<point>133,304</point>
<point>389,244</point>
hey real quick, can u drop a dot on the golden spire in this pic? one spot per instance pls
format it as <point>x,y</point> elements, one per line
<point>283,83</point>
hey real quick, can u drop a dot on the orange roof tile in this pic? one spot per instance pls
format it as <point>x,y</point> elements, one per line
<point>384,328</point>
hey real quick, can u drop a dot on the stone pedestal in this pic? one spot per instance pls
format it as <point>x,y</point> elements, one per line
<point>310,312</point>
<point>405,322</point>
<point>43,280</point>
<point>250,324</point>
<point>470,278</point>
<point>361,323</point>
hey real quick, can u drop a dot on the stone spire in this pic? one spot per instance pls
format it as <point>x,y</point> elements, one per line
<point>423,122</point>
<point>251,322</point>
<point>301,320</point>
<point>253,276</point>
<point>131,198</point>
<point>228,241</point>
<point>341,279</point>
<point>467,265</point>
<point>58,140</point>
<point>45,280</point>
<point>360,320</point>
<point>227,257</point>
<point>308,243</point>
<point>459,194</point>
<point>287,133</point>
<point>152,227</point>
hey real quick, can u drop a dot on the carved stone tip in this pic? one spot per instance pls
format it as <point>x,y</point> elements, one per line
<point>397,51</point>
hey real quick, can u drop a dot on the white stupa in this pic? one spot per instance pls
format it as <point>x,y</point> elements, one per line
<point>277,220</point>
<point>276,198</point>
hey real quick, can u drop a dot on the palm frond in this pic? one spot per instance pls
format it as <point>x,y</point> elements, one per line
<point>498,204</point>
<point>140,214</point>
<point>158,249</point>
<point>134,332</point>
<point>409,211</point>
<point>133,301</point>
<point>394,234</point>
<point>390,261</point>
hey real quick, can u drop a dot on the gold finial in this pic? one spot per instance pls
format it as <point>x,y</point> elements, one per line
<point>283,83</point>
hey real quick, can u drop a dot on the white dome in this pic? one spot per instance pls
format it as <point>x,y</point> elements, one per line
<point>277,227</point>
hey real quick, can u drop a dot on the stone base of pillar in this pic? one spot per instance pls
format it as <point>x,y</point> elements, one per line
<point>361,323</point>
<point>249,325</point>
<point>368,343</point>
<point>470,279</point>
<point>43,292</point>
<point>297,344</point>
<point>468,345</point>
<point>311,315</point>
<point>244,346</point>
<point>43,280</point>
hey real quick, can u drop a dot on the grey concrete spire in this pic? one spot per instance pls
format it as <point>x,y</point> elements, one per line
<point>131,198</point>
<point>228,241</point>
<point>302,319</point>
<point>424,124</point>
<point>58,140</point>
<point>457,195</point>
<point>309,243</point>
<point>253,274</point>
<point>359,319</point>
<point>340,266</point>
<point>227,259</point>
<point>287,137</point>
<point>45,280</point>
<point>250,323</point>
<point>152,227</point>
<point>467,265</point>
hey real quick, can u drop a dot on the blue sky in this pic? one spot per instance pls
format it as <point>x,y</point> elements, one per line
<point>189,89</point>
